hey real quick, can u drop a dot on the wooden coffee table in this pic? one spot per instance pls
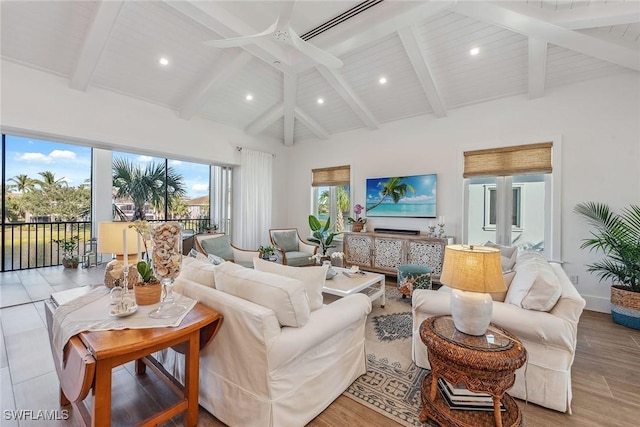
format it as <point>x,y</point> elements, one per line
<point>94,354</point>
<point>371,284</point>
<point>484,364</point>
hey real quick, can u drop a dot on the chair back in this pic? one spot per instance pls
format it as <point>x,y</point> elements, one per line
<point>286,239</point>
<point>216,244</point>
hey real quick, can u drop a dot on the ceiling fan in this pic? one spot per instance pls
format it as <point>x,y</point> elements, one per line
<point>282,32</point>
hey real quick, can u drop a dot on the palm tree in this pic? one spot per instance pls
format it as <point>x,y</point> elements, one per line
<point>49,180</point>
<point>394,188</point>
<point>147,184</point>
<point>342,203</point>
<point>22,183</point>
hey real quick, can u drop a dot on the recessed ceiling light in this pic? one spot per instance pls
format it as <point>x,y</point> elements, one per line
<point>249,97</point>
<point>382,80</point>
<point>320,101</point>
<point>163,61</point>
<point>474,51</point>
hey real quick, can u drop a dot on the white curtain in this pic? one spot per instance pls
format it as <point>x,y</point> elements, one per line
<point>255,199</point>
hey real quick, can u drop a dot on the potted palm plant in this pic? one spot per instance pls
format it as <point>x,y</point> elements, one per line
<point>617,236</point>
<point>69,246</point>
<point>321,235</point>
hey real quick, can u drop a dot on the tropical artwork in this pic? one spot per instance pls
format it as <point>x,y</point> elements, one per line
<point>407,196</point>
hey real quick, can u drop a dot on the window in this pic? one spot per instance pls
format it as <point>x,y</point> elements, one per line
<point>510,195</point>
<point>331,195</point>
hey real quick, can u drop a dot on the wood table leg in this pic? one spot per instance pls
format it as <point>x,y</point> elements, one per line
<point>101,415</point>
<point>191,368</point>
<point>496,411</point>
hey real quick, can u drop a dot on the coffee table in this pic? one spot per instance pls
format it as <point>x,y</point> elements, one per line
<point>370,284</point>
<point>91,356</point>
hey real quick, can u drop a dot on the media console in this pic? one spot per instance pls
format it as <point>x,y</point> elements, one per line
<point>383,252</point>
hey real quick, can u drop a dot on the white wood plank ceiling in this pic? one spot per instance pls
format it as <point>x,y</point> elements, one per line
<point>422,48</point>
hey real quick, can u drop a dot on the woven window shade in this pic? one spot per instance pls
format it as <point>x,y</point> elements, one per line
<point>337,175</point>
<point>507,161</point>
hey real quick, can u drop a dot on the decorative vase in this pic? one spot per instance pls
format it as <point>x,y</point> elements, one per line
<point>331,273</point>
<point>166,261</point>
<point>357,226</point>
<point>148,294</point>
<point>625,307</point>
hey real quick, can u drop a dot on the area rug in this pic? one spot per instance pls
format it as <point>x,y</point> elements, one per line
<point>392,383</point>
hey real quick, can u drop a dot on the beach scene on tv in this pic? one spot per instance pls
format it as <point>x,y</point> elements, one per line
<point>407,196</point>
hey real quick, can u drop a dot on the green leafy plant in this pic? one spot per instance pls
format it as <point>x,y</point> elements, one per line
<point>144,266</point>
<point>618,237</point>
<point>146,272</point>
<point>321,234</point>
<point>266,250</point>
<point>68,247</point>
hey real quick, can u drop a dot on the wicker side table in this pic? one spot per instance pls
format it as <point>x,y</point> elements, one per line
<point>484,364</point>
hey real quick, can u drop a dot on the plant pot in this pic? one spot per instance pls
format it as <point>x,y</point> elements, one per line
<point>357,226</point>
<point>70,262</point>
<point>148,294</point>
<point>625,307</point>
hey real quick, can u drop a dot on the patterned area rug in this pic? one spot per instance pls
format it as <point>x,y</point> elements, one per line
<point>392,383</point>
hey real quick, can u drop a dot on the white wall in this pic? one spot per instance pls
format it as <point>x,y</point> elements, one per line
<point>599,124</point>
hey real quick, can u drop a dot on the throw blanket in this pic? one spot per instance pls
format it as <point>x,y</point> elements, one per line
<point>90,312</point>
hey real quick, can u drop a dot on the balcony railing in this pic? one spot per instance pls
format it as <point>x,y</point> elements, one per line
<point>31,245</point>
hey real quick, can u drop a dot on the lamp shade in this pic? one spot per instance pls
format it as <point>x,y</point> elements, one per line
<point>472,268</point>
<point>111,238</point>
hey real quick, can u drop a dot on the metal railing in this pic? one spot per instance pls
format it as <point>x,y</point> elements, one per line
<point>31,245</point>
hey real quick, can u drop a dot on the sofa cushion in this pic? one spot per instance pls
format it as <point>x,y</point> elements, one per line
<point>508,278</point>
<point>287,297</point>
<point>312,278</point>
<point>286,240</point>
<point>534,287</point>
<point>508,255</point>
<point>220,246</point>
<point>198,271</point>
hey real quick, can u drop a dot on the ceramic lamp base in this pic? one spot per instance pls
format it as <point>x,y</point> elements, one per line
<point>471,311</point>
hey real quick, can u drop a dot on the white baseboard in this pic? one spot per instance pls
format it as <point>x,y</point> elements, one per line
<point>594,303</point>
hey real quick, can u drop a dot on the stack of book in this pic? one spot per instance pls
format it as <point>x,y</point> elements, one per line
<point>458,397</point>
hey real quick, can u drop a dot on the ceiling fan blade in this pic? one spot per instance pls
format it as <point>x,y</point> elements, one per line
<point>285,13</point>
<point>320,56</point>
<point>242,41</point>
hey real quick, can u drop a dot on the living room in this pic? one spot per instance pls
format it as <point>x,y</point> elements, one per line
<point>592,123</point>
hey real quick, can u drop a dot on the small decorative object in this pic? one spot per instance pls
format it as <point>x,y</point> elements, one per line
<point>266,252</point>
<point>68,246</point>
<point>321,235</point>
<point>166,260</point>
<point>337,258</point>
<point>149,290</point>
<point>213,228</point>
<point>618,237</point>
<point>357,223</point>
<point>441,225</point>
<point>331,273</point>
<point>432,229</point>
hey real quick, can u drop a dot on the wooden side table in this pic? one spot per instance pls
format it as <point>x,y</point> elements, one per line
<point>484,364</point>
<point>105,350</point>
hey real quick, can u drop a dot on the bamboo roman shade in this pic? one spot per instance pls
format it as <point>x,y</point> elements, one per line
<point>337,175</point>
<point>507,161</point>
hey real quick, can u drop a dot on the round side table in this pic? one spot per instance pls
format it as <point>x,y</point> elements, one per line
<point>484,364</point>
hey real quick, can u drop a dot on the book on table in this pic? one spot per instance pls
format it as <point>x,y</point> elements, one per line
<point>459,397</point>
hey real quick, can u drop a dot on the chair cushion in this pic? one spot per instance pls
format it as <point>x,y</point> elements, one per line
<point>508,255</point>
<point>298,259</point>
<point>312,278</point>
<point>286,240</point>
<point>220,246</point>
<point>287,297</point>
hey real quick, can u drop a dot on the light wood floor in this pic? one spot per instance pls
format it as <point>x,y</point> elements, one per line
<point>606,378</point>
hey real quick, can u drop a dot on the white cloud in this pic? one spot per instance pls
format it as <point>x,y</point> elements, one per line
<point>175,162</point>
<point>34,157</point>
<point>144,159</point>
<point>56,155</point>
<point>200,187</point>
<point>62,154</point>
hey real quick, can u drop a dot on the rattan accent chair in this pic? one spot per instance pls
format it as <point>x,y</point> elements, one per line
<point>293,250</point>
<point>219,244</point>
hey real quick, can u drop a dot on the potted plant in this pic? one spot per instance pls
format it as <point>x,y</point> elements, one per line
<point>266,252</point>
<point>148,289</point>
<point>68,247</point>
<point>618,237</point>
<point>321,235</point>
<point>358,222</point>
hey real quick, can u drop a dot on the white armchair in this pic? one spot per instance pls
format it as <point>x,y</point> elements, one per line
<point>220,245</point>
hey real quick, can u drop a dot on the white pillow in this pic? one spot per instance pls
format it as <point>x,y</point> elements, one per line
<point>508,255</point>
<point>312,278</point>
<point>508,278</point>
<point>199,271</point>
<point>285,296</point>
<point>534,287</point>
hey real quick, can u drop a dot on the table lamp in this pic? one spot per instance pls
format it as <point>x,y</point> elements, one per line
<point>119,239</point>
<point>473,272</point>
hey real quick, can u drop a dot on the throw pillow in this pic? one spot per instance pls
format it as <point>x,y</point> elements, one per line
<point>220,246</point>
<point>193,253</point>
<point>534,287</point>
<point>508,278</point>
<point>210,258</point>
<point>286,240</point>
<point>285,296</point>
<point>312,278</point>
<point>508,255</point>
<point>198,271</point>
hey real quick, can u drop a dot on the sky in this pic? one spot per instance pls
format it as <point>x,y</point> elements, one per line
<point>73,163</point>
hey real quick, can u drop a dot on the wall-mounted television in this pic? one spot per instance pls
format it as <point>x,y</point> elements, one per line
<point>402,196</point>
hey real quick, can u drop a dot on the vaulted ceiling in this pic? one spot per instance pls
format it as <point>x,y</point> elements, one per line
<point>421,48</point>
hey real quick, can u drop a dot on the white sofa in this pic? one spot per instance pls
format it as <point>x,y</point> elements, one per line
<point>548,336</point>
<point>257,372</point>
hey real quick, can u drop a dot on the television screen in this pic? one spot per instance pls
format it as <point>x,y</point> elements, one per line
<point>404,196</point>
